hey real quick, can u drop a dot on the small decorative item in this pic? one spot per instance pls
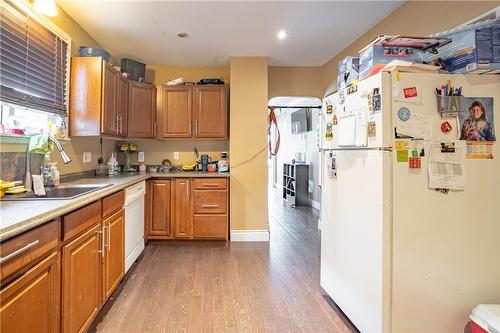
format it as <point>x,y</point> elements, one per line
<point>128,149</point>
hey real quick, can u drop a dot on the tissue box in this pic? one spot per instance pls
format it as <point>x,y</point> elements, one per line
<point>377,54</point>
<point>474,49</point>
<point>348,72</point>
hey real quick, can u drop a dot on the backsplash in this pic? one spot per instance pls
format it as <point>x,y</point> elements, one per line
<point>12,165</point>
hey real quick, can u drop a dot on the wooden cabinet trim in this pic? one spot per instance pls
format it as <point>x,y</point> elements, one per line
<point>22,309</point>
<point>73,276</point>
<point>112,203</point>
<point>44,239</point>
<point>81,219</point>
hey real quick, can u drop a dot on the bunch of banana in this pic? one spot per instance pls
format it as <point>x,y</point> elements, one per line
<point>188,167</point>
<point>6,186</point>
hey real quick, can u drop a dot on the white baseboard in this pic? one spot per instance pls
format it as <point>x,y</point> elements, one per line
<point>314,204</point>
<point>249,235</point>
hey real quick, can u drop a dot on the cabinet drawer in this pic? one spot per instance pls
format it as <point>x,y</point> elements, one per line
<point>112,203</point>
<point>23,250</point>
<point>210,202</point>
<point>210,226</point>
<point>209,183</point>
<point>81,219</point>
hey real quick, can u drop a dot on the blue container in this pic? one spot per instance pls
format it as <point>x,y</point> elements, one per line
<point>93,52</point>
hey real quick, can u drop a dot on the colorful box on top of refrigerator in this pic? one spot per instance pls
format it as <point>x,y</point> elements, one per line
<point>376,53</point>
<point>474,49</point>
<point>348,72</point>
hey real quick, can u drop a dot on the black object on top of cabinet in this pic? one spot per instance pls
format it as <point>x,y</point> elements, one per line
<point>136,70</point>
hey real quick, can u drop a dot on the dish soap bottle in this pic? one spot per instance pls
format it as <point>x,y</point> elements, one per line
<point>45,170</point>
<point>54,173</point>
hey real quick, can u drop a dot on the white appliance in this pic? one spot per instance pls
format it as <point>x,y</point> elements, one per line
<point>397,256</point>
<point>134,223</point>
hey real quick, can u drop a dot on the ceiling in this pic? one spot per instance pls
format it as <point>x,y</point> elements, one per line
<point>146,30</point>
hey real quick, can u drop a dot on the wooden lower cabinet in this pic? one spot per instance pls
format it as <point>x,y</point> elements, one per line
<point>114,252</point>
<point>81,280</point>
<point>159,211</point>
<point>31,302</point>
<point>183,225</point>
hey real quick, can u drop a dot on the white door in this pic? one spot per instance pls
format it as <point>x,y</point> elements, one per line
<point>355,231</point>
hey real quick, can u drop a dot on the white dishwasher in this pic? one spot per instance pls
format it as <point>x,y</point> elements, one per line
<point>134,223</point>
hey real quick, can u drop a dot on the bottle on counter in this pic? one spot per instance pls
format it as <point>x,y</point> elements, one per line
<point>45,169</point>
<point>54,172</point>
<point>112,165</point>
<point>223,164</point>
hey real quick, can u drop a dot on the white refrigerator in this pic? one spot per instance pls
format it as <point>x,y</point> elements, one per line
<point>396,255</point>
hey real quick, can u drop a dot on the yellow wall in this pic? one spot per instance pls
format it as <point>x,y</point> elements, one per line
<point>248,126</point>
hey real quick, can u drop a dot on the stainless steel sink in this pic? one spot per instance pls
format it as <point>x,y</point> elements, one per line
<point>63,192</point>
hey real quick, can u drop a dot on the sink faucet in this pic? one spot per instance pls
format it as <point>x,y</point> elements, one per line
<point>27,175</point>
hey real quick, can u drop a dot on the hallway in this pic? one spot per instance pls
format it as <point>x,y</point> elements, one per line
<point>242,287</point>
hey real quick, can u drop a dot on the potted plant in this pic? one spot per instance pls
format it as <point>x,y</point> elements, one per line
<point>128,149</point>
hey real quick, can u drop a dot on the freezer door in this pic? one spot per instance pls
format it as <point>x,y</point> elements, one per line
<point>355,236</point>
<point>446,246</point>
<point>363,114</point>
<point>326,121</point>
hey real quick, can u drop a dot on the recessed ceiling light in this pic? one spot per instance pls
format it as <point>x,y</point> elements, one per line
<point>182,34</point>
<point>282,34</point>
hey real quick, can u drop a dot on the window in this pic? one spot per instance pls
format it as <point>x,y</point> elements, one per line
<point>34,59</point>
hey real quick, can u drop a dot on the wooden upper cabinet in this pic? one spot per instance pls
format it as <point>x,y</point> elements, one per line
<point>81,280</point>
<point>114,257</point>
<point>96,98</point>
<point>122,107</point>
<point>160,218</point>
<point>141,110</point>
<point>182,209</point>
<point>210,111</point>
<point>175,112</point>
<point>30,304</point>
<point>109,115</point>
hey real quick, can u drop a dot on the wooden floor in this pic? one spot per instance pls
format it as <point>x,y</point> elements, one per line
<point>242,287</point>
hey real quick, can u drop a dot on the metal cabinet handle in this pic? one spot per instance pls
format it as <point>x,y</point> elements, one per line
<point>121,125</point>
<point>116,124</point>
<point>19,251</point>
<point>210,184</point>
<point>210,206</point>
<point>109,237</point>
<point>101,232</point>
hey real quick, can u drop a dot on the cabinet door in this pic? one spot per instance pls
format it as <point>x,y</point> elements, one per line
<point>175,112</point>
<point>122,107</point>
<point>81,280</point>
<point>210,107</point>
<point>31,302</point>
<point>182,209</point>
<point>161,212</point>
<point>109,116</point>
<point>141,110</point>
<point>114,254</point>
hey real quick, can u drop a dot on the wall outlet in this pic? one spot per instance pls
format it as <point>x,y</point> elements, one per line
<point>140,157</point>
<point>176,155</point>
<point>87,157</point>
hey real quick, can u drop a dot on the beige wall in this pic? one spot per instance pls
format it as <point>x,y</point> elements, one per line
<point>160,74</point>
<point>412,18</point>
<point>248,144</point>
<point>295,81</point>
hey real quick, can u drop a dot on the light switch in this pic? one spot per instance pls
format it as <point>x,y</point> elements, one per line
<point>140,157</point>
<point>87,157</point>
<point>176,155</point>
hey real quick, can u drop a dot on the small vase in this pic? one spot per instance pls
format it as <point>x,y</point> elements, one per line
<point>128,167</point>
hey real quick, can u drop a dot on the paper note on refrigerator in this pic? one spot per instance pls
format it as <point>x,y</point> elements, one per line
<point>446,165</point>
<point>418,126</point>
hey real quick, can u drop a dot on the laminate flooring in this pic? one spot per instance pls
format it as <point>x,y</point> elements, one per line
<point>239,287</point>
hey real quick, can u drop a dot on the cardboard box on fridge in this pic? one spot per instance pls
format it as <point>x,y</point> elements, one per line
<point>474,49</point>
<point>348,72</point>
<point>376,55</point>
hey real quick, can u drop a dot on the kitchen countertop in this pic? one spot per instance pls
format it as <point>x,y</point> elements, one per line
<point>17,217</point>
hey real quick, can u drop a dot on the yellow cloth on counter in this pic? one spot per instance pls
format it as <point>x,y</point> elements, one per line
<point>40,144</point>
